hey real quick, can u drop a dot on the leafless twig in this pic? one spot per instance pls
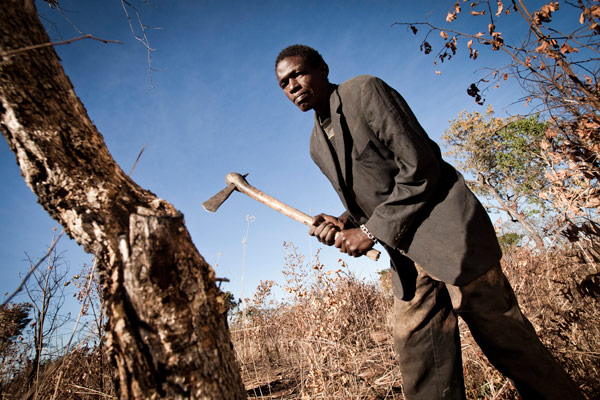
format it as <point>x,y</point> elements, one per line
<point>90,391</point>
<point>137,159</point>
<point>142,38</point>
<point>32,270</point>
<point>81,312</point>
<point>37,46</point>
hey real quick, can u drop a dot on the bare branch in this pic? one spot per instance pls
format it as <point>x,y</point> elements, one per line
<point>32,269</point>
<point>67,348</point>
<point>38,46</point>
<point>137,159</point>
<point>143,39</point>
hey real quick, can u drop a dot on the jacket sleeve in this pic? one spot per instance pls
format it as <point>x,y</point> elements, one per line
<point>418,164</point>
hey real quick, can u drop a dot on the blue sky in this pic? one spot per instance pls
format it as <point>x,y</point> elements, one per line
<point>216,108</point>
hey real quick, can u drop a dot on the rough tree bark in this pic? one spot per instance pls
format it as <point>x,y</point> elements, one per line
<point>168,335</point>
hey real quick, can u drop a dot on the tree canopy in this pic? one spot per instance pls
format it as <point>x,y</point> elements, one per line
<point>554,58</point>
<point>505,156</point>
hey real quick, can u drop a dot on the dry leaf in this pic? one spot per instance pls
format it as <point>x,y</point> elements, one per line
<point>444,35</point>
<point>426,47</point>
<point>498,40</point>
<point>500,8</point>
<point>438,72</point>
<point>470,43</point>
<point>550,133</point>
<point>565,49</point>
<point>452,14</point>
<point>542,47</point>
<point>478,12</point>
<point>545,13</point>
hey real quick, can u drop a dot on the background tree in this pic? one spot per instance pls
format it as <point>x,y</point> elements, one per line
<point>14,317</point>
<point>505,157</point>
<point>167,329</point>
<point>46,293</point>
<point>555,60</point>
<point>89,295</point>
<point>509,241</point>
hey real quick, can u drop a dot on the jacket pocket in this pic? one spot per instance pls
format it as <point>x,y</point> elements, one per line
<point>369,154</point>
<point>373,173</point>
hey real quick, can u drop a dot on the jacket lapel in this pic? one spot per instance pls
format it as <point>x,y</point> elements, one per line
<point>319,148</point>
<point>321,152</point>
<point>338,139</point>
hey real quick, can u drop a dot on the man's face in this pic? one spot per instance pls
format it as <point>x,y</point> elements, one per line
<point>307,87</point>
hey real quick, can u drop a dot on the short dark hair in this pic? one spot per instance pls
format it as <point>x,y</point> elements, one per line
<point>310,55</point>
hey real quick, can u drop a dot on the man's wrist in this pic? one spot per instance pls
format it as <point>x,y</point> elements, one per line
<point>367,233</point>
<point>346,221</point>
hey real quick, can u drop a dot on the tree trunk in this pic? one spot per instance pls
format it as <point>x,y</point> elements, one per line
<point>168,335</point>
<point>512,212</point>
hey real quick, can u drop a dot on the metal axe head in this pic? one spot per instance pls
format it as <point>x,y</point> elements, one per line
<point>215,202</point>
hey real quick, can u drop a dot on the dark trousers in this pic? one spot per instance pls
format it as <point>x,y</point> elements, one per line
<point>427,342</point>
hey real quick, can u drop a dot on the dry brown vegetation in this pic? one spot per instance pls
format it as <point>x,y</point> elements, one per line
<point>329,338</point>
<point>82,374</point>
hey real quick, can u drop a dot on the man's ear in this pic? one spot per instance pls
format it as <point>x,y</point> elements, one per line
<point>324,69</point>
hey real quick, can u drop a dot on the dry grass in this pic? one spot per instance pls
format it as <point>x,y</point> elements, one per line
<point>84,375</point>
<point>331,338</point>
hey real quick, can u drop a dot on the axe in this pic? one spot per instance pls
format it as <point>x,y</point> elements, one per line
<point>238,182</point>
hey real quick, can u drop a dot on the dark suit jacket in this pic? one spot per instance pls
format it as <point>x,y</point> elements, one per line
<point>391,177</point>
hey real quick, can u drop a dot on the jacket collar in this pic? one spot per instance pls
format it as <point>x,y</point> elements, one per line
<point>320,147</point>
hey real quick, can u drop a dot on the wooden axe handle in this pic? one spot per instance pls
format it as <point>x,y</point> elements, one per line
<point>243,186</point>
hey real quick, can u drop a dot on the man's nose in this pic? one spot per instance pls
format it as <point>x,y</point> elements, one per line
<point>294,85</point>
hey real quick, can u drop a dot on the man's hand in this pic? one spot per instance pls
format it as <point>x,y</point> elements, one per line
<point>353,242</point>
<point>325,227</point>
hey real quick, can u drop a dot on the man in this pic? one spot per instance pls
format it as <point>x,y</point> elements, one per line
<point>445,257</point>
